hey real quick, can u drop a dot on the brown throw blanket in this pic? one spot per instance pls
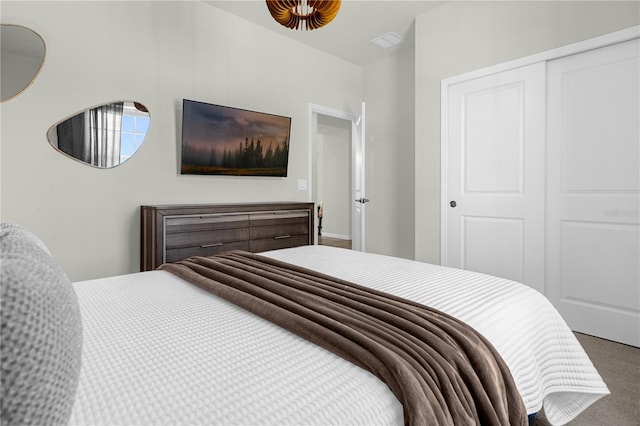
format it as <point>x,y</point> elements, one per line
<point>442,371</point>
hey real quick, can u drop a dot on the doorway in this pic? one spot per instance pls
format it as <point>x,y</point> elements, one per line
<point>332,165</point>
<point>335,176</point>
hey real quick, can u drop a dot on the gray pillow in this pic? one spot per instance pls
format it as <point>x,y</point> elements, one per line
<point>41,333</point>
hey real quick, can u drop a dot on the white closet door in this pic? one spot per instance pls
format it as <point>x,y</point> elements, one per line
<point>494,163</point>
<point>593,186</point>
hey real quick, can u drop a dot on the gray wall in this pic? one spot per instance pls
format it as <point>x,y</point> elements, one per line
<point>156,53</point>
<point>389,92</point>
<point>459,37</point>
<point>334,169</point>
<point>162,52</point>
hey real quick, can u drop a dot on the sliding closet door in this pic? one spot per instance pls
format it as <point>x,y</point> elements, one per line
<point>593,186</point>
<point>494,162</point>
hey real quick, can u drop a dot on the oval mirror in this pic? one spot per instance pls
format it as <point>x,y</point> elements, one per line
<point>22,56</point>
<point>104,136</point>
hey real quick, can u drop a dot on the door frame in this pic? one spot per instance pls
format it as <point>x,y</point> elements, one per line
<point>571,49</point>
<point>357,232</point>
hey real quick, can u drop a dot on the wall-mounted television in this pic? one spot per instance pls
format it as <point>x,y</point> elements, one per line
<point>222,140</point>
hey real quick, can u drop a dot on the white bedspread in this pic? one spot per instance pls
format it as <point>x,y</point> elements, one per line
<point>160,351</point>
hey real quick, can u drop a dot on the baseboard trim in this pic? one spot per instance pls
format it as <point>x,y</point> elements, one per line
<point>338,236</point>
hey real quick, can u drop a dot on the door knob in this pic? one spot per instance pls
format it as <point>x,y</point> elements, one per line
<point>453,204</point>
<point>362,200</point>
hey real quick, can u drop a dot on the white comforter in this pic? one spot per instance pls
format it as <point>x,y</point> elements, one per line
<point>158,350</point>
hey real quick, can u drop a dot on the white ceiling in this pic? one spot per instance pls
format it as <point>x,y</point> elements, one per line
<point>348,36</point>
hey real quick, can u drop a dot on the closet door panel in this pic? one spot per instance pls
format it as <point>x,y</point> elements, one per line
<point>593,187</point>
<point>495,175</point>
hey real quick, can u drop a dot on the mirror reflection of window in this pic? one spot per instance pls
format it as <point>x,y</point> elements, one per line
<point>135,124</point>
<point>104,136</point>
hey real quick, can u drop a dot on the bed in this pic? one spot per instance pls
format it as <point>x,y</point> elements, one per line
<point>156,349</point>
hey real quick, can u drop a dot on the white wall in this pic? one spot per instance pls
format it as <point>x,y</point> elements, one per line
<point>156,53</point>
<point>458,37</point>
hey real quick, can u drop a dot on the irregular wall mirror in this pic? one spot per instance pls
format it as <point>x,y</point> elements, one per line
<point>23,52</point>
<point>104,136</point>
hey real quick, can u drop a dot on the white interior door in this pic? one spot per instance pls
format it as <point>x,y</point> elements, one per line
<point>593,233</point>
<point>359,199</point>
<point>493,209</point>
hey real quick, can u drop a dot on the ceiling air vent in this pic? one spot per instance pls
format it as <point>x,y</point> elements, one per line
<point>387,40</point>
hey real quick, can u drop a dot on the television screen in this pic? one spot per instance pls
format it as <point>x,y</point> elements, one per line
<point>221,140</point>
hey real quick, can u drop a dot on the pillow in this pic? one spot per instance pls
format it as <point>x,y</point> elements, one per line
<point>41,333</point>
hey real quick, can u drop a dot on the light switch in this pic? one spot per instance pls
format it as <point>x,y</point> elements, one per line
<point>302,184</point>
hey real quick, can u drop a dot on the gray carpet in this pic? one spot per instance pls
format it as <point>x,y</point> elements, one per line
<point>619,366</point>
